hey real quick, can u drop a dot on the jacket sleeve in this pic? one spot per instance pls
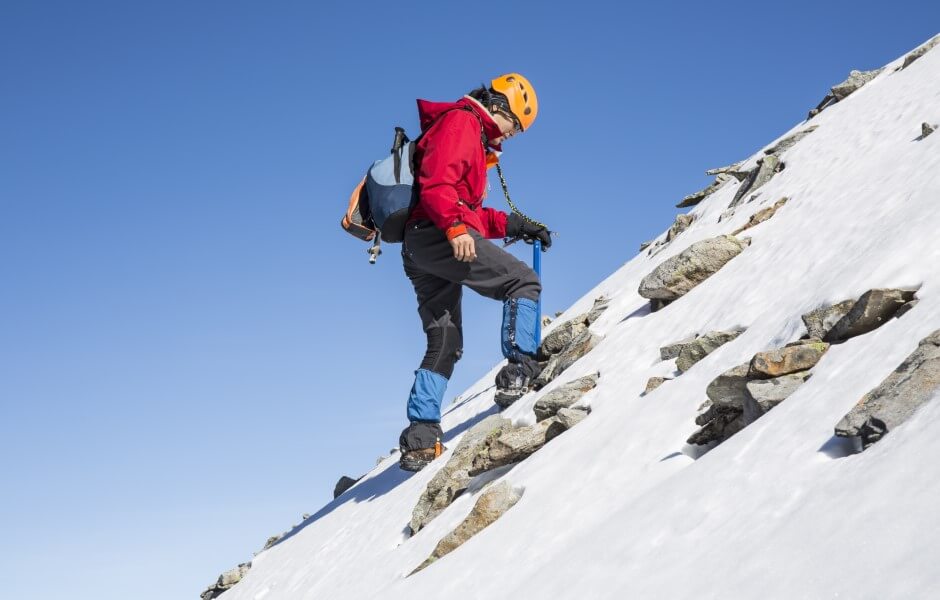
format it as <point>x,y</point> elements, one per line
<point>494,221</point>
<point>448,156</point>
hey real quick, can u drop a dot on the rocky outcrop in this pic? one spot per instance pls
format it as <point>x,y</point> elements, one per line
<point>672,350</point>
<point>739,396</point>
<point>569,417</point>
<point>574,350</point>
<point>563,335</point>
<point>342,485</point>
<point>693,199</point>
<point>841,91</point>
<point>493,503</point>
<point>655,382</point>
<point>765,170</point>
<point>453,478</point>
<point>676,276</point>
<point>564,396</point>
<point>789,359</point>
<point>760,216</point>
<point>764,394</point>
<point>871,311</point>
<point>788,142</point>
<point>925,130</point>
<point>914,383</point>
<point>820,321</point>
<point>701,347</point>
<point>913,56</point>
<point>682,223</point>
<point>226,581</point>
<point>511,446</point>
<point>732,170</point>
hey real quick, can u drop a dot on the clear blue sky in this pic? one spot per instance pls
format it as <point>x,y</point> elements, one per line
<point>192,351</point>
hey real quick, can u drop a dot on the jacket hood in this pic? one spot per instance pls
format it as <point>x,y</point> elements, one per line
<point>429,111</point>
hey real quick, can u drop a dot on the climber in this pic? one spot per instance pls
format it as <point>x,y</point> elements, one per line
<point>447,246</point>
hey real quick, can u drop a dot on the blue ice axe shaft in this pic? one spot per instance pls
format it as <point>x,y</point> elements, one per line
<point>537,267</point>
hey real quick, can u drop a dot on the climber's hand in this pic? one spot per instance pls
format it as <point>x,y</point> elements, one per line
<point>464,248</point>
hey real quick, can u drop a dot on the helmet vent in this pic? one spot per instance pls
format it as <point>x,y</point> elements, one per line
<point>527,110</point>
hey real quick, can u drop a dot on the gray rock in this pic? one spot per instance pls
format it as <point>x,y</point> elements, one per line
<point>672,350</point>
<point>768,393</point>
<point>729,390</point>
<point>925,130</point>
<point>493,503</point>
<point>914,383</point>
<point>564,396</point>
<point>762,215</point>
<point>657,304</point>
<point>766,168</point>
<point>561,336</point>
<point>717,426</point>
<point>514,445</point>
<point>818,322</point>
<point>681,224</point>
<point>788,142</point>
<point>453,478</point>
<point>546,320</point>
<point>575,349</point>
<point>910,58</point>
<point>693,199</point>
<point>273,540</point>
<point>342,485</point>
<point>905,309</point>
<point>655,382</point>
<point>732,170</point>
<point>569,417</point>
<point>790,359</point>
<point>645,245</point>
<point>871,311</point>
<point>677,275</point>
<point>226,581</point>
<point>853,83</point>
<point>702,346</point>
<point>600,307</point>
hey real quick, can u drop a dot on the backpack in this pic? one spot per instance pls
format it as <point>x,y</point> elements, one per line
<point>381,203</point>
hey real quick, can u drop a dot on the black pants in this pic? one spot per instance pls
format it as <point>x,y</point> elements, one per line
<point>438,279</point>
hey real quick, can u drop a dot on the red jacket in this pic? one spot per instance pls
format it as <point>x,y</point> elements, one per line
<point>450,169</point>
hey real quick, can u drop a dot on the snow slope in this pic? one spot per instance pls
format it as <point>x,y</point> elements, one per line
<point>619,506</point>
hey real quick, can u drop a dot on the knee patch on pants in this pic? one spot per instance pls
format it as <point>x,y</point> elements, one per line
<point>445,346</point>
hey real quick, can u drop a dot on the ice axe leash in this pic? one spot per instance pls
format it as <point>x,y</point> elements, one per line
<point>536,249</point>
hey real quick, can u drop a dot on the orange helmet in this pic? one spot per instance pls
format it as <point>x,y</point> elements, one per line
<point>521,95</point>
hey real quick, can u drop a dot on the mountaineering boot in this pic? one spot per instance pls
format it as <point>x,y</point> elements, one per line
<point>415,460</point>
<point>420,443</point>
<point>514,380</point>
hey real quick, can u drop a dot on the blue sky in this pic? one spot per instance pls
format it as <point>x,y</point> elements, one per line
<point>192,351</point>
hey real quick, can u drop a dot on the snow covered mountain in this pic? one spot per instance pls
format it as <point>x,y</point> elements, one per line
<point>620,505</point>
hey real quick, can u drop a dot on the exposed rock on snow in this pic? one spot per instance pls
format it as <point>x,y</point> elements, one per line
<point>453,478</point>
<point>871,311</point>
<point>514,445</point>
<point>915,382</point>
<point>564,396</point>
<point>762,215</point>
<point>678,275</point>
<point>906,308</point>
<point>655,382</point>
<point>789,359</point>
<point>766,168</point>
<point>561,336</point>
<point>732,170</point>
<point>599,308</point>
<point>910,58</point>
<point>569,417</point>
<point>818,322</point>
<point>672,350</point>
<point>841,91</point>
<point>788,142</point>
<point>575,349</point>
<point>493,503</point>
<point>693,199</point>
<point>226,581</point>
<point>645,245</point>
<point>681,224</point>
<point>342,485</point>
<point>925,130</point>
<point>764,394</point>
<point>701,347</point>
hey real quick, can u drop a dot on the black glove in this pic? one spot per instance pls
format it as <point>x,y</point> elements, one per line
<point>517,227</point>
